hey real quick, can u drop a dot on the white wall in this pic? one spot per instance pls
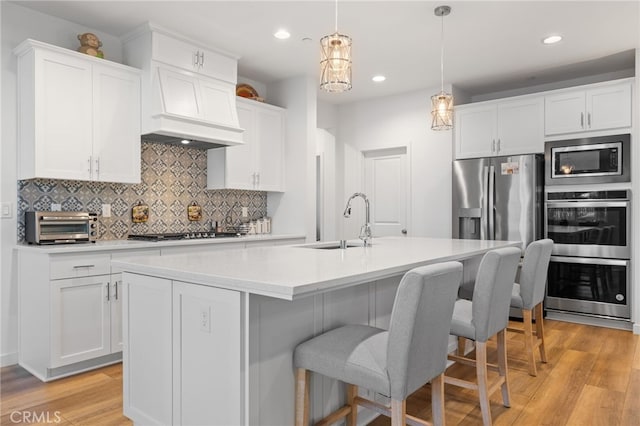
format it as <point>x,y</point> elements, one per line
<point>18,24</point>
<point>293,211</point>
<point>393,121</point>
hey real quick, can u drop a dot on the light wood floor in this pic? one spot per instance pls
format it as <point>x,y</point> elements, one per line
<point>592,378</point>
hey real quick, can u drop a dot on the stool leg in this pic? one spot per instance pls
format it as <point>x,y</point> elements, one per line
<point>483,388</point>
<point>352,417</point>
<point>302,397</point>
<point>528,341</point>
<point>398,412</point>
<point>540,331</point>
<point>437,400</point>
<point>502,367</point>
<point>461,345</point>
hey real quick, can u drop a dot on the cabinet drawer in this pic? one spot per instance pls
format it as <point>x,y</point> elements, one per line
<point>79,265</point>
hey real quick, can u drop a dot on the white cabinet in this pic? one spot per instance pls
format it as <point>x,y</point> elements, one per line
<point>178,335</point>
<point>70,311</point>
<point>188,91</point>
<point>78,116</point>
<point>598,107</point>
<point>506,127</point>
<point>259,163</point>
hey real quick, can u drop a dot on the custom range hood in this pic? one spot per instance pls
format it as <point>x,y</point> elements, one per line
<point>188,91</point>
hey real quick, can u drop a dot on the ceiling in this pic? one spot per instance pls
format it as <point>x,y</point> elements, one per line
<point>489,46</point>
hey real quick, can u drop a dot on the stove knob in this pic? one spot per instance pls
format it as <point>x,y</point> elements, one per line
<point>199,235</point>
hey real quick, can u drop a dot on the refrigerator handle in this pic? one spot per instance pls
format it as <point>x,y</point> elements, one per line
<point>491,204</point>
<point>484,226</point>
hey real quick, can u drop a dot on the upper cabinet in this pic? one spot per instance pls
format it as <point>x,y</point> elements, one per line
<point>598,107</point>
<point>78,116</point>
<point>259,163</point>
<point>506,127</point>
<point>189,92</point>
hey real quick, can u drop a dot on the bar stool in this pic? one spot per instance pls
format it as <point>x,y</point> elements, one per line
<point>485,316</point>
<point>528,296</point>
<point>394,363</point>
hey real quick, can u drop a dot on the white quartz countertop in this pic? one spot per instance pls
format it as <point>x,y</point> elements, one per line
<point>111,245</point>
<point>290,272</point>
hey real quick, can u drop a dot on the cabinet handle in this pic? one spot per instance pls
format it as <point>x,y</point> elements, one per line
<point>201,59</point>
<point>589,119</point>
<point>115,287</point>
<point>89,168</point>
<point>108,291</point>
<point>493,145</point>
<point>98,168</point>
<point>498,146</point>
<point>196,58</point>
<point>83,266</point>
<point>582,120</point>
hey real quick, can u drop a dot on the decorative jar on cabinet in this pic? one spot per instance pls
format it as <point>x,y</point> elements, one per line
<point>78,116</point>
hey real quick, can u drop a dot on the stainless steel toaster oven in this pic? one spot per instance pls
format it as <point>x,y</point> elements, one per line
<point>60,227</point>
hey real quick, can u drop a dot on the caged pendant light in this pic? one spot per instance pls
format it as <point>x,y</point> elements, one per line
<point>442,103</point>
<point>335,61</point>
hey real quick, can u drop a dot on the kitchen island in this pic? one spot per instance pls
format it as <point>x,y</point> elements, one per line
<point>208,339</point>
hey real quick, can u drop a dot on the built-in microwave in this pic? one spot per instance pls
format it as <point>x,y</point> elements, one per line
<point>602,159</point>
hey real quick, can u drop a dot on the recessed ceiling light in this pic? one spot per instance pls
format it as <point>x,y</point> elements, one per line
<point>185,141</point>
<point>282,34</point>
<point>551,39</point>
<point>378,78</point>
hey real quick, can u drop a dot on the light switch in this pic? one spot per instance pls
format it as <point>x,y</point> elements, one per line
<point>106,210</point>
<point>7,211</point>
<point>245,212</point>
<point>56,207</point>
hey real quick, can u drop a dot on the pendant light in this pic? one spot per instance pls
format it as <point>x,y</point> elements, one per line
<point>335,61</point>
<point>442,103</point>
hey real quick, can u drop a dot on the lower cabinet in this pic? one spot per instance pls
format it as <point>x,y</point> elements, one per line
<point>70,311</point>
<point>178,335</point>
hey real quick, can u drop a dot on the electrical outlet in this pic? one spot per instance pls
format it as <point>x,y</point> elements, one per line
<point>7,210</point>
<point>205,319</point>
<point>245,211</point>
<point>56,207</point>
<point>106,210</point>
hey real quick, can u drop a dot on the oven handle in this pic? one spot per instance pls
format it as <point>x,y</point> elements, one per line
<point>590,261</point>
<point>578,204</point>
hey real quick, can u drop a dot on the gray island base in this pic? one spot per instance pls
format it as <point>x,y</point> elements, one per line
<point>208,338</point>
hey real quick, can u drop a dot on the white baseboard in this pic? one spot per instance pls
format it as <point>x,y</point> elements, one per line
<point>8,359</point>
<point>636,328</point>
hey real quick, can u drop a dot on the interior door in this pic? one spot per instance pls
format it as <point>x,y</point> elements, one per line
<point>386,175</point>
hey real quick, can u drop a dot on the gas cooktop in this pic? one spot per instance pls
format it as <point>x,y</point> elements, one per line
<point>182,236</point>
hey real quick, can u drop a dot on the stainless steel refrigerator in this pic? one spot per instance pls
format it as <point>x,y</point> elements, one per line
<point>499,198</point>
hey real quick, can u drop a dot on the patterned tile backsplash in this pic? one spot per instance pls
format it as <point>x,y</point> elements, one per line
<point>173,177</point>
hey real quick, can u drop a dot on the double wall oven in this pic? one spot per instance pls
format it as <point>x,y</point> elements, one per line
<point>589,272</point>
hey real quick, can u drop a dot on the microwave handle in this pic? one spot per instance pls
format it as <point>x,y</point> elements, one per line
<point>582,120</point>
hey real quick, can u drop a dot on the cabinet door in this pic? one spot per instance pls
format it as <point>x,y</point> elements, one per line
<point>116,131</point>
<point>609,107</point>
<point>240,167</point>
<point>218,101</point>
<point>63,117</point>
<point>521,126</point>
<point>564,113</point>
<point>475,131</point>
<point>207,348</point>
<point>115,308</point>
<point>270,138</point>
<point>80,323</point>
<point>180,93</point>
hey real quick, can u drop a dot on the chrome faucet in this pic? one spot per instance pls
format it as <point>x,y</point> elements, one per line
<point>365,230</point>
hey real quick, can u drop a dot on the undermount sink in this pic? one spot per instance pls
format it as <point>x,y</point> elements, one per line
<point>331,245</point>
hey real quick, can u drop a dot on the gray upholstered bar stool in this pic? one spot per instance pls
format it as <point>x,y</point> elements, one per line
<point>528,295</point>
<point>394,363</point>
<point>483,317</point>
